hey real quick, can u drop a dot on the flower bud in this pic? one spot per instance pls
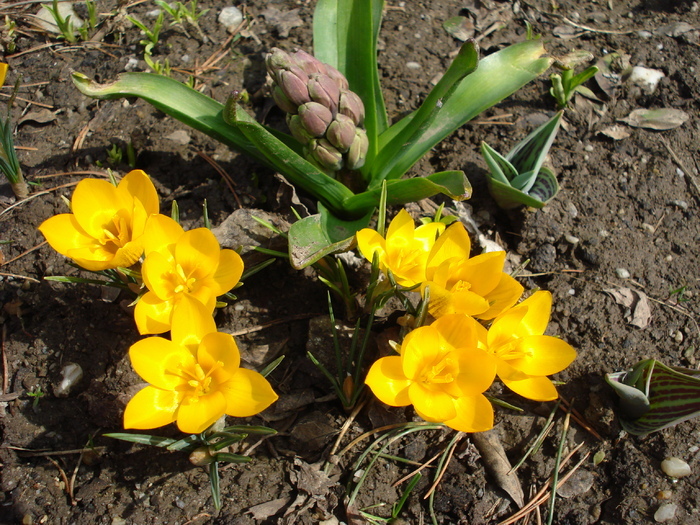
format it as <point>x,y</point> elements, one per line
<point>282,101</point>
<point>337,77</point>
<point>277,60</point>
<point>358,150</point>
<point>325,154</point>
<point>324,90</point>
<point>341,132</point>
<point>315,118</point>
<point>297,129</point>
<point>351,105</point>
<point>293,84</point>
<point>308,63</point>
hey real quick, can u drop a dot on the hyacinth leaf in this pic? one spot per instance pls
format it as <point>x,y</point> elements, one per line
<point>341,29</point>
<point>180,102</point>
<point>529,154</point>
<point>454,184</point>
<point>316,236</point>
<point>298,170</point>
<point>499,166</point>
<point>498,76</point>
<point>654,396</point>
<point>465,63</point>
<point>545,187</point>
<point>507,197</point>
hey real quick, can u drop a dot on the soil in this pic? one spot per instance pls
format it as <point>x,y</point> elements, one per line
<point>626,217</point>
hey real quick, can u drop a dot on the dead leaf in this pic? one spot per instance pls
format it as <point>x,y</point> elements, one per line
<point>674,29</point>
<point>282,21</point>
<point>615,132</point>
<point>565,32</point>
<point>266,510</point>
<point>460,27</point>
<point>496,462</point>
<point>41,116</point>
<point>658,119</point>
<point>311,479</point>
<point>637,303</point>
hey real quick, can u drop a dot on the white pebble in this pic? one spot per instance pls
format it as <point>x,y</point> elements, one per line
<point>571,239</point>
<point>622,273</point>
<point>678,336</point>
<point>413,65</point>
<point>680,172</point>
<point>589,148</point>
<point>648,227</point>
<point>675,467</point>
<point>571,291</point>
<point>666,512</point>
<point>72,373</point>
<point>230,17</point>
<point>604,233</point>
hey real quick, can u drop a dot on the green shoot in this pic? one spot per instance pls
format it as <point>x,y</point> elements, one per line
<point>565,84</point>
<point>9,163</point>
<point>8,35</point>
<point>680,294</point>
<point>152,35</point>
<point>36,393</point>
<point>64,25</point>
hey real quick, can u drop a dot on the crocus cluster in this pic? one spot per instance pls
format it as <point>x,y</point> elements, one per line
<point>194,377</point>
<point>479,331</point>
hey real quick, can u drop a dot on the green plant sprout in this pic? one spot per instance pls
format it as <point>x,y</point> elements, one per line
<point>520,178</point>
<point>36,393</point>
<point>565,84</point>
<point>9,163</point>
<point>64,24</point>
<point>680,294</point>
<point>654,396</point>
<point>9,35</point>
<point>152,35</point>
<point>91,22</point>
<point>345,37</point>
<point>182,13</point>
<point>207,449</point>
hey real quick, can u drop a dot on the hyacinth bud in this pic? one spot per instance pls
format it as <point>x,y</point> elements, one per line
<point>309,64</point>
<point>277,60</point>
<point>298,130</point>
<point>282,101</point>
<point>351,105</point>
<point>315,118</point>
<point>294,86</point>
<point>325,154</point>
<point>358,150</point>
<point>337,77</point>
<point>324,90</point>
<point>341,132</point>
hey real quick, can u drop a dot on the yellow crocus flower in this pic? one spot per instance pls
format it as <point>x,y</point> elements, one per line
<point>458,283</point>
<point>404,251</point>
<point>442,370</point>
<point>179,264</point>
<point>195,377</point>
<point>3,72</point>
<point>105,229</point>
<point>524,355</point>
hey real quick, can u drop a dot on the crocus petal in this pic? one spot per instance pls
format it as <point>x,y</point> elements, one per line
<point>538,388</point>
<point>191,322</point>
<point>401,226</point>
<point>467,302</point>
<point>482,272</point>
<point>427,234</point>
<point>198,252</point>
<point>219,349</point>
<point>158,361</point>
<point>457,331</point>
<point>474,414</point>
<point>420,350</point>
<point>64,234</point>
<point>432,404</point>
<point>507,327</point>
<point>453,244</point>
<point>539,307</point>
<point>151,408</point>
<point>160,233</point>
<point>503,297</point>
<point>3,72</point>
<point>247,393</point>
<point>127,255</point>
<point>152,315</point>
<point>95,204</point>
<point>543,355</point>
<point>197,414</point>
<point>368,242</point>
<point>228,272</point>
<point>137,184</point>
<point>477,370</point>
<point>158,273</point>
<point>388,382</point>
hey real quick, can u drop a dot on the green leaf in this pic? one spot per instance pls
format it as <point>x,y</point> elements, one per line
<point>545,187</point>
<point>464,64</point>
<point>655,396</point>
<point>498,76</point>
<point>345,36</point>
<point>530,153</point>
<point>501,169</point>
<point>143,439</point>
<point>318,235</point>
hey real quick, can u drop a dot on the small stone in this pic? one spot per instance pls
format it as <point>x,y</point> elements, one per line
<point>666,512</point>
<point>179,136</point>
<point>664,494</point>
<point>603,233</point>
<point>675,467</point>
<point>571,209</point>
<point>680,172</point>
<point>683,205</point>
<point>669,258</point>
<point>648,227</point>
<point>571,239</point>
<point>589,148</point>
<point>622,273</point>
<point>678,337</point>
<point>230,17</point>
<point>413,65</point>
<point>579,483</point>
<point>571,291</point>
<point>72,374</point>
